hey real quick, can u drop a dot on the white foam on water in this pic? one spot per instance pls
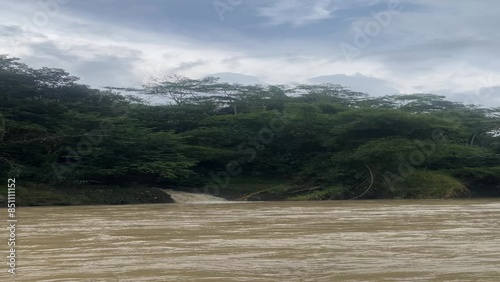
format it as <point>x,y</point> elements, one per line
<point>192,198</point>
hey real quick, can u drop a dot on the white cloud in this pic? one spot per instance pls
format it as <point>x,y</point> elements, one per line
<point>360,83</point>
<point>441,47</point>
<point>130,57</point>
<point>297,12</point>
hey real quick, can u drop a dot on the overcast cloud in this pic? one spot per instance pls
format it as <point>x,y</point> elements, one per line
<point>380,47</point>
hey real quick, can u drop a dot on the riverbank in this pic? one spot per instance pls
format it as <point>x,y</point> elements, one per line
<point>241,188</point>
<point>32,194</point>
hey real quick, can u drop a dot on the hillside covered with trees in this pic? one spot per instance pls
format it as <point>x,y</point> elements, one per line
<point>295,142</point>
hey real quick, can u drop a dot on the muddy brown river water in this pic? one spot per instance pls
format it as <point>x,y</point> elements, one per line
<point>395,240</point>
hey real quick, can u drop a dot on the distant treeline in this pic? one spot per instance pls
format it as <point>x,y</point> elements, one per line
<point>333,142</point>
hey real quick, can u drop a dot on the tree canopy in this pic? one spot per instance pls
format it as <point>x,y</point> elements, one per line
<point>56,131</point>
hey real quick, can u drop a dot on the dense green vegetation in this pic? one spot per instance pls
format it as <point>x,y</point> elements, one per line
<point>296,142</point>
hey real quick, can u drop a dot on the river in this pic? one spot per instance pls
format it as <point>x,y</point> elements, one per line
<point>393,240</point>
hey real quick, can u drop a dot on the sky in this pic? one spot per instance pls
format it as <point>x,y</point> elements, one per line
<point>381,47</point>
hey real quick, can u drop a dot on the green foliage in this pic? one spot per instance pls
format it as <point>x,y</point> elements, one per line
<point>482,181</point>
<point>56,131</point>
<point>430,184</point>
